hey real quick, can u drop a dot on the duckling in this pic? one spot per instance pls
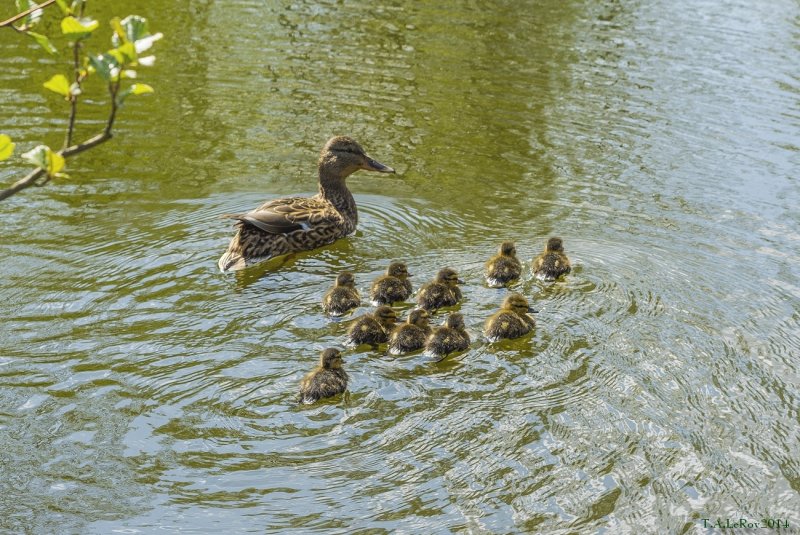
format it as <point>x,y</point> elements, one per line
<point>552,263</point>
<point>373,328</point>
<point>504,267</point>
<point>511,321</point>
<point>411,335</point>
<point>293,224</point>
<point>326,380</point>
<point>343,297</point>
<point>451,336</point>
<point>392,287</point>
<point>441,292</point>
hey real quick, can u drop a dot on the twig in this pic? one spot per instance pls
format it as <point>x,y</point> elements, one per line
<point>32,177</point>
<point>25,13</point>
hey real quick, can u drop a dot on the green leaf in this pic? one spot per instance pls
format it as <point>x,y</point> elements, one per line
<point>124,54</point>
<point>44,42</point>
<point>134,89</point>
<point>58,84</point>
<point>64,7</point>
<point>72,27</point>
<point>35,16</point>
<point>6,147</point>
<point>134,28</point>
<point>106,66</point>
<point>45,158</point>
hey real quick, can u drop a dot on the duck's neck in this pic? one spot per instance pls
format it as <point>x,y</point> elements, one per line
<point>334,190</point>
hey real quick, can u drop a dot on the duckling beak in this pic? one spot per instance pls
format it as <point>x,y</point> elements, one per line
<point>532,310</point>
<point>459,281</point>
<point>374,165</point>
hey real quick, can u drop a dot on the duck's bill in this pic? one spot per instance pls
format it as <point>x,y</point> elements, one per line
<point>374,165</point>
<point>532,310</point>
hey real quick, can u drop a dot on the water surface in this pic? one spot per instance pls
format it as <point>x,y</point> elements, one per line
<point>142,390</point>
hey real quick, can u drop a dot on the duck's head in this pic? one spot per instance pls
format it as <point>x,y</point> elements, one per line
<point>342,156</point>
<point>385,315</point>
<point>398,269</point>
<point>555,245</point>
<point>347,279</point>
<point>517,303</point>
<point>449,277</point>
<point>455,321</point>
<point>331,359</point>
<point>508,248</point>
<point>419,318</point>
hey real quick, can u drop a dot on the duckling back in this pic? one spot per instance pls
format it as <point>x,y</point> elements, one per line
<point>450,337</point>
<point>372,329</point>
<point>407,338</point>
<point>343,297</point>
<point>552,263</point>
<point>504,267</point>
<point>326,380</point>
<point>507,324</point>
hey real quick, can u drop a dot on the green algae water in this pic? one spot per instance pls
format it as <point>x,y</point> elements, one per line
<point>142,391</point>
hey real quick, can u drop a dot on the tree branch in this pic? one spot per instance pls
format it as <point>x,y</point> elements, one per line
<point>32,177</point>
<point>25,13</point>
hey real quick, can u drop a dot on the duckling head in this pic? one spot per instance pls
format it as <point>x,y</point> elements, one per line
<point>555,245</point>
<point>455,321</point>
<point>347,279</point>
<point>399,270</point>
<point>419,317</point>
<point>385,315</point>
<point>449,277</point>
<point>517,303</point>
<point>331,359</point>
<point>342,156</point>
<point>508,248</point>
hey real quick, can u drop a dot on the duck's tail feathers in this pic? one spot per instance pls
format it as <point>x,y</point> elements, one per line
<point>231,261</point>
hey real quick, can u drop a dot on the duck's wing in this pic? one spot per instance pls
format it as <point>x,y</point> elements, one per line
<point>282,216</point>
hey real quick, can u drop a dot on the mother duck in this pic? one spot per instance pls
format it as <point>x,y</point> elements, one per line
<point>293,224</point>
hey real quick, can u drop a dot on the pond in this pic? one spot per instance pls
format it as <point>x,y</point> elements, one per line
<point>143,390</point>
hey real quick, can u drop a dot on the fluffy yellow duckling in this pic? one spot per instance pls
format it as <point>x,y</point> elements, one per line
<point>512,320</point>
<point>552,263</point>
<point>293,224</point>
<point>441,292</point>
<point>411,335</point>
<point>373,328</point>
<point>392,287</point>
<point>326,380</point>
<point>504,267</point>
<point>343,297</point>
<point>450,337</point>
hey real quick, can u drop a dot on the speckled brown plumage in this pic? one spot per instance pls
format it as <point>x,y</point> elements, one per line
<point>392,287</point>
<point>441,292</point>
<point>292,224</point>
<point>504,267</point>
<point>343,297</point>
<point>450,337</point>
<point>552,263</point>
<point>326,380</point>
<point>411,335</point>
<point>372,329</point>
<point>511,321</point>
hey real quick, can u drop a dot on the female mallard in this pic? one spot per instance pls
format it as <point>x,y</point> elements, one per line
<point>450,337</point>
<point>372,329</point>
<point>511,321</point>
<point>392,287</point>
<point>552,263</point>
<point>343,297</point>
<point>326,380</point>
<point>504,267</point>
<point>292,224</point>
<point>411,335</point>
<point>441,292</point>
